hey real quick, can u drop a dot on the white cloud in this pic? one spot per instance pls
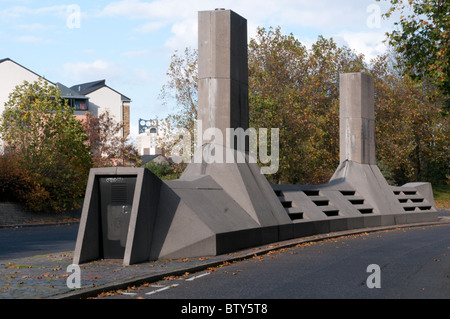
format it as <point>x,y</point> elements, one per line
<point>60,11</point>
<point>368,43</point>
<point>34,27</point>
<point>300,15</point>
<point>85,71</point>
<point>149,27</point>
<point>22,11</point>
<point>136,53</point>
<point>185,35</point>
<point>13,12</point>
<point>32,39</point>
<point>161,9</point>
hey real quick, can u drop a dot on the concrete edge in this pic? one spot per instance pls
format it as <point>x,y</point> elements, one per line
<point>255,251</point>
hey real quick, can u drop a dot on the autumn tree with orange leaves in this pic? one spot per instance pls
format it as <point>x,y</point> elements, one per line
<point>412,133</point>
<point>296,89</point>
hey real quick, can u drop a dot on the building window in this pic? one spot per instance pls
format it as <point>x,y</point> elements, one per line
<point>81,105</point>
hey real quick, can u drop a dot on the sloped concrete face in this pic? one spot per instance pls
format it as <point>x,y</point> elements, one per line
<point>192,213</point>
<point>243,181</point>
<point>221,207</point>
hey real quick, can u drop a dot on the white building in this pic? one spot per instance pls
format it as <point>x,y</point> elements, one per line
<point>103,98</point>
<point>11,75</point>
<point>147,139</point>
<point>94,97</point>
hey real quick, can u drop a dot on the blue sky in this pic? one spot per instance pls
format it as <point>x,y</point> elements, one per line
<point>129,42</point>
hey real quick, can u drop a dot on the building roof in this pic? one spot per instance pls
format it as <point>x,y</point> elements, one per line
<point>89,87</point>
<point>8,59</point>
<point>69,93</point>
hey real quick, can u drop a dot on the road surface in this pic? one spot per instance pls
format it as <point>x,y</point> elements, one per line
<point>37,240</point>
<point>401,263</point>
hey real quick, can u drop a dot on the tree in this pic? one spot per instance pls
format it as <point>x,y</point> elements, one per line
<point>296,90</point>
<point>40,128</point>
<point>411,134</point>
<point>108,147</point>
<point>181,87</point>
<point>423,40</point>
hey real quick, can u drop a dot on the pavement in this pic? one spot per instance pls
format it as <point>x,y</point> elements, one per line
<point>47,276</point>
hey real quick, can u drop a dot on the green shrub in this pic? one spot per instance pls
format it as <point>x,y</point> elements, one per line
<point>165,170</point>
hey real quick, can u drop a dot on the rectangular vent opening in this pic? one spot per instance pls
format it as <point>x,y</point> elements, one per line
<point>331,213</point>
<point>278,192</point>
<point>286,203</point>
<point>321,202</point>
<point>425,207</point>
<point>311,192</point>
<point>119,193</point>
<point>357,201</point>
<point>348,193</point>
<point>417,200</point>
<point>396,192</point>
<point>402,200</point>
<point>366,210</point>
<point>409,192</point>
<point>295,216</point>
<point>409,209</point>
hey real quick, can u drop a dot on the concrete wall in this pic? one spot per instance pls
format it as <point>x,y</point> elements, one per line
<point>357,118</point>
<point>222,71</point>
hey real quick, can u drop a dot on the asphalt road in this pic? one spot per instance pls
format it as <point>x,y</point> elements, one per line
<point>413,263</point>
<point>37,240</point>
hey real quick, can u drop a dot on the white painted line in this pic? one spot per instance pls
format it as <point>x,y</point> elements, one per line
<point>198,276</point>
<point>129,293</point>
<point>161,289</point>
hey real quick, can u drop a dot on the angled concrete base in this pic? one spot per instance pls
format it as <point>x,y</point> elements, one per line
<point>202,214</point>
<point>407,200</point>
<point>216,208</point>
<point>357,196</point>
